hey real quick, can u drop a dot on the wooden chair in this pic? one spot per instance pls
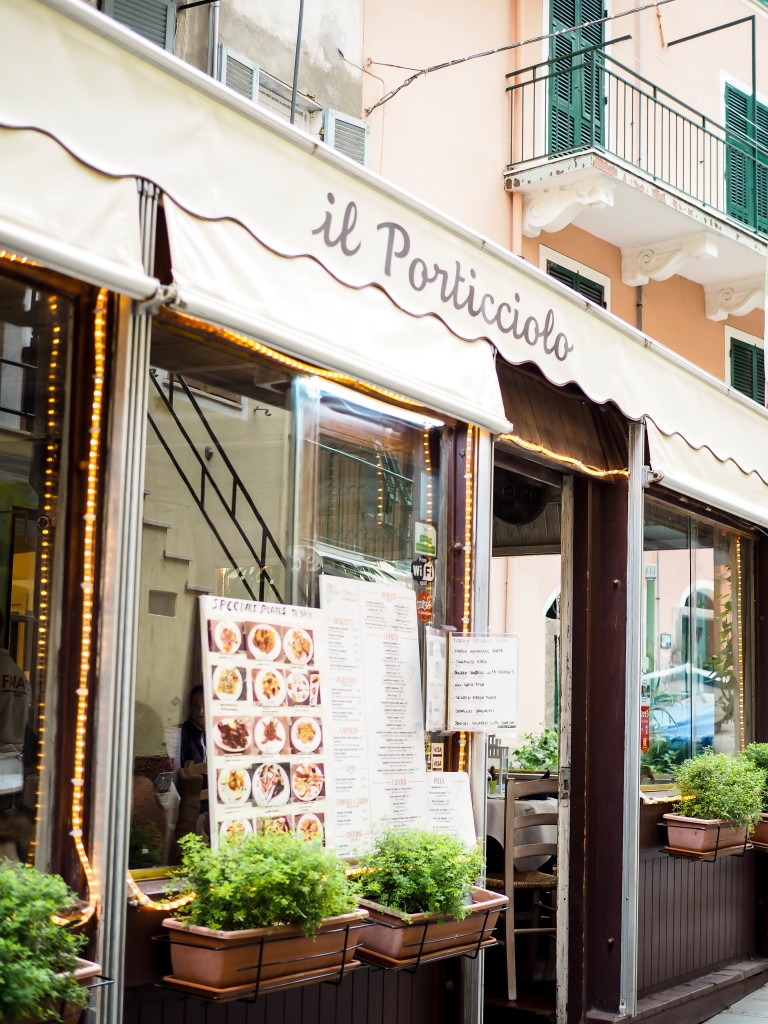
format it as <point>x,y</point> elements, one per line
<point>516,848</point>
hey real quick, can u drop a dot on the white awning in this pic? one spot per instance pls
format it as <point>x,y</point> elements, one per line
<point>225,276</point>
<point>126,108</point>
<point>59,212</point>
<point>698,474</point>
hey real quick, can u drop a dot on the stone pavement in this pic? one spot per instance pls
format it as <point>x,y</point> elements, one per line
<point>752,1009</point>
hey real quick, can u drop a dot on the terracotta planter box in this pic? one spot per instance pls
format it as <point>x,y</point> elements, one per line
<point>87,970</point>
<point>394,939</point>
<point>760,834</point>
<point>700,835</point>
<point>212,959</point>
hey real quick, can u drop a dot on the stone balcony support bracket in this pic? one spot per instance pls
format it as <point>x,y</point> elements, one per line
<point>660,260</point>
<point>724,300</point>
<point>552,206</point>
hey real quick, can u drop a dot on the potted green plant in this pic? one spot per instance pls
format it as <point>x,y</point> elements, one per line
<point>721,795</point>
<point>537,752</point>
<point>41,975</point>
<point>269,910</point>
<point>417,887</point>
<point>758,754</point>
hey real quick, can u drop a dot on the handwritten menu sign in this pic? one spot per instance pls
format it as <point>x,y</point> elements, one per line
<point>450,805</point>
<point>373,687</point>
<point>482,681</point>
<point>265,718</point>
<point>436,671</point>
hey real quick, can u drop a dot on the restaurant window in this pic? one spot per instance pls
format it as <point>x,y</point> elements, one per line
<point>257,481</point>
<point>696,656</point>
<point>35,329</point>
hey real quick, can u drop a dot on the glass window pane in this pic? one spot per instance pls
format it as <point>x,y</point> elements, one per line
<point>693,667</point>
<point>35,330</point>
<point>377,473</point>
<point>217,508</point>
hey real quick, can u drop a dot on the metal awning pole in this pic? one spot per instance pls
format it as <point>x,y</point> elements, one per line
<point>296,62</point>
<point>631,832</point>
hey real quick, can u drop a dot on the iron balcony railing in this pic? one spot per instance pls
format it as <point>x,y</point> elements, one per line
<point>589,101</point>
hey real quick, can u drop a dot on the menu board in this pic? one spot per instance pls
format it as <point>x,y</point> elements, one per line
<point>482,681</point>
<point>450,805</point>
<point>436,672</point>
<point>266,722</point>
<point>373,687</point>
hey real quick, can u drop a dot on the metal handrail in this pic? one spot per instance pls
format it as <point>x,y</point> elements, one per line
<point>207,477</point>
<point>645,127</point>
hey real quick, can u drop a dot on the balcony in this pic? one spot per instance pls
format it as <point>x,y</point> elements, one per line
<point>596,145</point>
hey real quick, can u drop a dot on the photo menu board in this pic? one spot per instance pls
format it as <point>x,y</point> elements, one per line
<point>266,723</point>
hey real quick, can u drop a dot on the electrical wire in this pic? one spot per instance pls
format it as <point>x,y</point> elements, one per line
<point>500,49</point>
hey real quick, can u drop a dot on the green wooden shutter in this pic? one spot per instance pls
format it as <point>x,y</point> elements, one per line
<point>738,167</point>
<point>746,160</point>
<point>153,19</point>
<point>583,285</point>
<point>748,370</point>
<point>576,93</point>
<point>592,98</point>
<point>761,167</point>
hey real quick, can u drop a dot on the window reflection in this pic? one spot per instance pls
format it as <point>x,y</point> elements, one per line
<point>693,666</point>
<point>34,341</point>
<point>256,481</point>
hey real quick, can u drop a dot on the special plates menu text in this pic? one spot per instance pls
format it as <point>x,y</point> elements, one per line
<point>263,672</point>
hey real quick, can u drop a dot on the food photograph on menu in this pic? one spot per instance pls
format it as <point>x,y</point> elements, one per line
<point>265,722</point>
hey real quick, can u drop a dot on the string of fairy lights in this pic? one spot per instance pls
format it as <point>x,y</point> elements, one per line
<point>740,634</point>
<point>568,460</point>
<point>87,585</point>
<point>466,612</point>
<point>52,429</point>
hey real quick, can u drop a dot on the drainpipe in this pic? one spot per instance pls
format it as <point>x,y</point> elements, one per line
<point>213,40</point>
<point>296,62</point>
<point>639,305</point>
<point>517,198</point>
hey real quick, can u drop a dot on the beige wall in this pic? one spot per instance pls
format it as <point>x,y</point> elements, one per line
<point>445,138</point>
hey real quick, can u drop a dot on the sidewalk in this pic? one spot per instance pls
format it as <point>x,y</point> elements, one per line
<point>752,1009</point>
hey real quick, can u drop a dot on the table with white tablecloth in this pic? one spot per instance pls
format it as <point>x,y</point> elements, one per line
<point>535,834</point>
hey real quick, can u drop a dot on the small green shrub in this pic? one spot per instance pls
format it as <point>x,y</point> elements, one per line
<point>758,754</point>
<point>261,880</point>
<point>37,957</point>
<point>537,752</point>
<point>417,871</point>
<point>720,786</point>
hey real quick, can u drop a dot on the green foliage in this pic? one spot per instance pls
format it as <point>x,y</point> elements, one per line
<point>145,845</point>
<point>537,752</point>
<point>37,957</point>
<point>660,758</point>
<point>726,786</point>
<point>256,881</point>
<point>757,753</point>
<point>417,871</point>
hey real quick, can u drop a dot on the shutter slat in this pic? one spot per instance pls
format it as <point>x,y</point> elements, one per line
<point>239,77</point>
<point>347,135</point>
<point>583,285</point>
<point>147,17</point>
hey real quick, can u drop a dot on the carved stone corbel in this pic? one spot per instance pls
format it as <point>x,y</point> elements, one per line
<point>724,300</point>
<point>658,261</point>
<point>553,207</point>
